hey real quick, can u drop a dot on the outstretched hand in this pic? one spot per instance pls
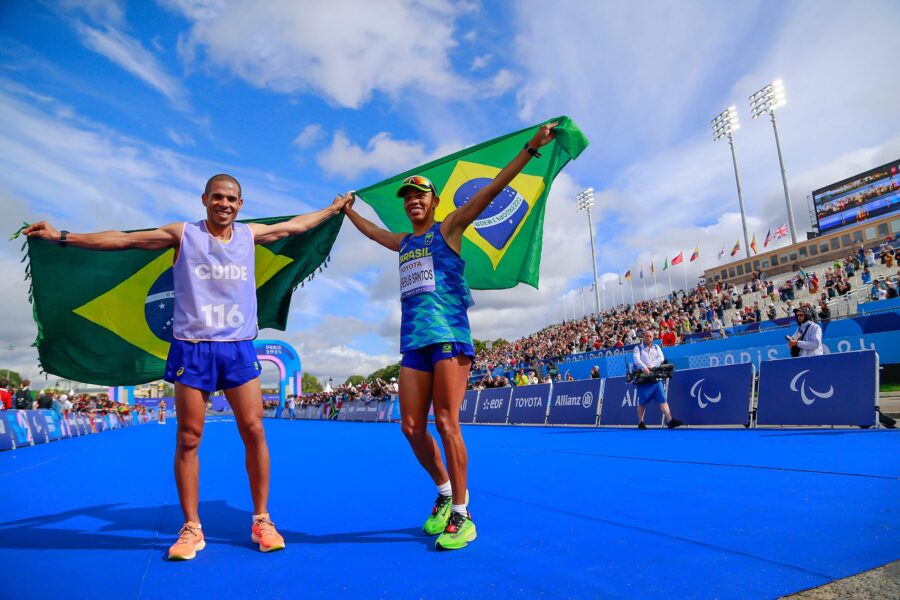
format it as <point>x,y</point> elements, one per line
<point>42,230</point>
<point>543,135</point>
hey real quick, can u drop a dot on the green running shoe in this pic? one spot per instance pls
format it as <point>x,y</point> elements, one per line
<point>460,530</point>
<point>440,515</point>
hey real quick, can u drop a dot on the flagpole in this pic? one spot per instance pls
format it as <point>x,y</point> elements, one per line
<point>644,283</point>
<point>632,290</point>
<point>654,276</point>
<point>669,269</point>
<point>582,302</point>
<point>684,264</point>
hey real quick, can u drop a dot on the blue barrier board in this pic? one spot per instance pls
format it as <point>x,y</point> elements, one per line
<point>575,402</point>
<point>832,389</point>
<point>529,404</point>
<point>620,404</point>
<point>493,404</point>
<point>712,396</point>
<point>469,406</point>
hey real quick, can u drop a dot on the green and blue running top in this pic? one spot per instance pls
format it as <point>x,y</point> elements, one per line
<point>434,294</point>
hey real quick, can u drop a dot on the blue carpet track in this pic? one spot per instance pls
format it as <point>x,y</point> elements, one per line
<point>561,513</point>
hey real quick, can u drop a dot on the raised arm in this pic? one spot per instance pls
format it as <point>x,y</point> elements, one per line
<point>264,234</point>
<point>167,236</point>
<point>389,240</point>
<point>456,222</point>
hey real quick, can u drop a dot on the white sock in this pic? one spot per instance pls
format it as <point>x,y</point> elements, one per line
<point>445,489</point>
<point>461,509</point>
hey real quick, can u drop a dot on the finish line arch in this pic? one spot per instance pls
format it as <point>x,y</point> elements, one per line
<point>287,359</point>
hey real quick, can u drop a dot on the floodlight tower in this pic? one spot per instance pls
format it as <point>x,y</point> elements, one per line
<point>724,125</point>
<point>584,202</point>
<point>764,101</point>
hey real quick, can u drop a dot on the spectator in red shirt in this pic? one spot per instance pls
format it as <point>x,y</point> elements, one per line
<point>669,338</point>
<point>5,396</point>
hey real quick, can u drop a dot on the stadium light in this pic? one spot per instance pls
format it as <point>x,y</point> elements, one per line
<point>765,101</point>
<point>724,125</point>
<point>583,202</point>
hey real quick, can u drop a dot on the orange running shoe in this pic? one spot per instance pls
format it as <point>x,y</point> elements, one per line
<point>190,541</point>
<point>263,533</point>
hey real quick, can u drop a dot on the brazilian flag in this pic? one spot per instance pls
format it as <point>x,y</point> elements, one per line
<point>105,317</point>
<point>503,246</point>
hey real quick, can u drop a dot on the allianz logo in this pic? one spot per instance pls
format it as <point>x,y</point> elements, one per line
<point>630,398</point>
<point>700,396</point>
<point>535,401</point>
<point>802,388</point>
<point>584,401</point>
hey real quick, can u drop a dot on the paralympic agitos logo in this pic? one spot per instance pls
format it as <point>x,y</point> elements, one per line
<point>798,384</point>
<point>703,399</point>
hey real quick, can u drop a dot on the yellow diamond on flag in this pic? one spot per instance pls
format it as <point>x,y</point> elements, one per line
<point>268,264</point>
<point>121,309</point>
<point>498,225</point>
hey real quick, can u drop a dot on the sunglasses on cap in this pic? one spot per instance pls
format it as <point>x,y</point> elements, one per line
<point>418,182</point>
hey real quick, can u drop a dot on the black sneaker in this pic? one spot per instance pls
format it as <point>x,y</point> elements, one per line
<point>674,423</point>
<point>641,425</point>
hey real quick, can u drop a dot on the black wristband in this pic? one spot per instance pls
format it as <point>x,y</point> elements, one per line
<point>531,151</point>
<point>62,238</point>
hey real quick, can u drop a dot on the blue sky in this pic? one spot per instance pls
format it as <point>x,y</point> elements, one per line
<point>116,113</point>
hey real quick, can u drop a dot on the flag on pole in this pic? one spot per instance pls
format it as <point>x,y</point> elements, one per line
<point>620,280</point>
<point>722,251</point>
<point>628,275</point>
<point>641,274</point>
<point>122,302</point>
<point>652,269</point>
<point>768,238</point>
<point>737,247</point>
<point>781,232</point>
<point>666,264</point>
<point>678,259</point>
<point>696,254</point>
<point>503,246</point>
<point>753,245</point>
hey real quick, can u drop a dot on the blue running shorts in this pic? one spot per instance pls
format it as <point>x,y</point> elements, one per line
<point>211,366</point>
<point>651,392</point>
<point>424,359</point>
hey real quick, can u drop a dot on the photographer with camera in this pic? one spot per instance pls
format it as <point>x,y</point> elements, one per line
<point>647,356</point>
<point>807,341</point>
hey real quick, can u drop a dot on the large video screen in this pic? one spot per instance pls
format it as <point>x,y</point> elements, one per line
<point>874,193</point>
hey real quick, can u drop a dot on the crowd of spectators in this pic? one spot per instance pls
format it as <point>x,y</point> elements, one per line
<point>63,403</point>
<point>701,310</point>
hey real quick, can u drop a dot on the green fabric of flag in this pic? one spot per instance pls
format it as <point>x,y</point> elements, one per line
<point>503,246</point>
<point>666,264</point>
<point>105,317</point>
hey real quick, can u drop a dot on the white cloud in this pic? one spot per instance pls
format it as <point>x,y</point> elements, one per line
<point>130,54</point>
<point>309,136</point>
<point>480,62</point>
<point>342,50</point>
<point>499,84</point>
<point>382,154</point>
<point>180,139</point>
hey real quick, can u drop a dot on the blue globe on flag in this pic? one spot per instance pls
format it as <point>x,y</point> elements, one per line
<point>499,221</point>
<point>159,307</point>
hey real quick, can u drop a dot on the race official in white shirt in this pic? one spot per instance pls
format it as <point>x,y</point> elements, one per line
<point>648,355</point>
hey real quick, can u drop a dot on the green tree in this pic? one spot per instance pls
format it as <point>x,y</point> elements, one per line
<point>385,373</point>
<point>310,384</point>
<point>354,380</point>
<point>14,378</point>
